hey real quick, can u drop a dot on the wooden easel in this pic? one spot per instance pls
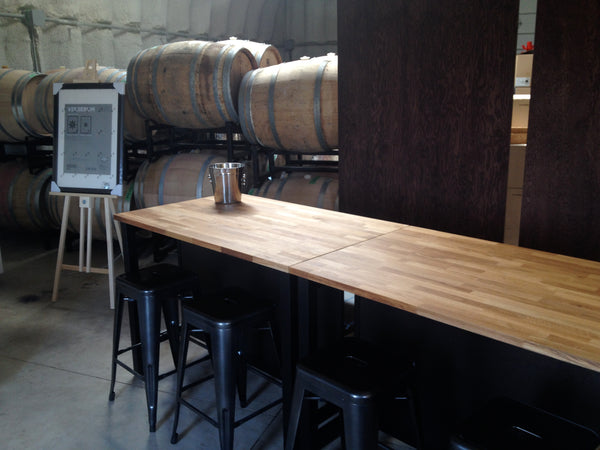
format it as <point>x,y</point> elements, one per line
<point>90,75</point>
<point>85,203</point>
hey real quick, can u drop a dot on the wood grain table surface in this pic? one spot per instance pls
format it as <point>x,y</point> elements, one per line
<point>539,301</point>
<point>543,302</point>
<point>268,232</point>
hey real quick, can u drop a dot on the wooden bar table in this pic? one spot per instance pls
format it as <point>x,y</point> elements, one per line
<point>270,233</point>
<point>543,302</point>
<point>538,301</point>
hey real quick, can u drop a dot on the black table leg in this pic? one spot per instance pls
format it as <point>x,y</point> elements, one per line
<point>307,317</point>
<point>288,308</point>
<point>130,250</point>
<point>130,263</point>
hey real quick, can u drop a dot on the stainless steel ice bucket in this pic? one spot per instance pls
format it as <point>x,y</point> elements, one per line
<point>227,179</point>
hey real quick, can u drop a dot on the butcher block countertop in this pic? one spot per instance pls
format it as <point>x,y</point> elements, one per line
<point>543,302</point>
<point>268,232</point>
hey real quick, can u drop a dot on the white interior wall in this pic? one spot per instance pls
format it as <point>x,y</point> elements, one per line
<point>526,30</point>
<point>309,24</point>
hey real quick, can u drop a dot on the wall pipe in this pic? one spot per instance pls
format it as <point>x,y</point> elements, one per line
<point>12,16</point>
<point>100,25</point>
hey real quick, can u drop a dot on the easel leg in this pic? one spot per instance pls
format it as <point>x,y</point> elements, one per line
<point>81,236</point>
<point>61,246</point>
<point>88,263</point>
<point>108,218</point>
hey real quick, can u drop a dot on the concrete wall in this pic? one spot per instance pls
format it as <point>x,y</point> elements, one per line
<point>68,38</point>
<point>295,27</point>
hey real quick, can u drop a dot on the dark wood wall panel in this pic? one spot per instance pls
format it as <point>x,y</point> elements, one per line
<point>561,192</point>
<point>425,95</point>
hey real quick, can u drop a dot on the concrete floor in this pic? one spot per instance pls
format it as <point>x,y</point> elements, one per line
<point>55,366</point>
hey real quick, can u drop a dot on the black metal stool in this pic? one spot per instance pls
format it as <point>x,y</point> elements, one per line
<point>223,318</point>
<point>504,423</point>
<point>354,376</point>
<point>148,291</point>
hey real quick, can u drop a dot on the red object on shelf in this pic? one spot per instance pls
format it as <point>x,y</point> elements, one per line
<point>528,48</point>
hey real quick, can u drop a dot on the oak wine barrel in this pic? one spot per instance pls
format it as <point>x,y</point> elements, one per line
<point>174,178</point>
<point>292,106</point>
<point>188,84</point>
<point>22,197</point>
<point>265,54</point>
<point>18,118</point>
<point>314,189</point>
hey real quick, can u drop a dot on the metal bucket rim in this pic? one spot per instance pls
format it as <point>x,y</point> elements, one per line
<point>226,165</point>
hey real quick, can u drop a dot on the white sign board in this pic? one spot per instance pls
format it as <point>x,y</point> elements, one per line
<point>88,138</point>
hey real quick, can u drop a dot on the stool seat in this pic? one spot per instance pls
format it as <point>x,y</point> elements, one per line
<point>226,308</point>
<point>148,292</point>
<point>223,317</point>
<point>157,280</point>
<point>354,376</point>
<point>357,368</point>
<point>504,423</point>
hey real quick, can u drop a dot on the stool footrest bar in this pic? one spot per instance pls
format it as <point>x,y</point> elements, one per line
<point>256,413</point>
<point>196,383</point>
